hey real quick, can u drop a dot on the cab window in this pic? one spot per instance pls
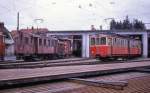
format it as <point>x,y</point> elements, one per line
<point>92,41</point>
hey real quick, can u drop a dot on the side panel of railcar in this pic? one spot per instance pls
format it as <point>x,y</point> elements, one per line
<point>2,47</point>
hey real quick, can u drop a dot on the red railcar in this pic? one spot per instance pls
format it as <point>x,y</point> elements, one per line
<point>29,45</point>
<point>34,45</point>
<point>113,46</point>
<point>46,47</point>
<point>2,46</point>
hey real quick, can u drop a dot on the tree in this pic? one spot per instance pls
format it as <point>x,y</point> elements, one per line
<point>138,25</point>
<point>112,24</point>
<point>126,24</point>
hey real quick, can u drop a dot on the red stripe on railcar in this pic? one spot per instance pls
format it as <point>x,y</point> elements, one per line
<point>100,50</point>
<point>92,51</point>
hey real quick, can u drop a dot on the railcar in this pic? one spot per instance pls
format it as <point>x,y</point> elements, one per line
<point>2,47</point>
<point>46,47</point>
<point>105,46</point>
<point>64,48</point>
<point>30,46</point>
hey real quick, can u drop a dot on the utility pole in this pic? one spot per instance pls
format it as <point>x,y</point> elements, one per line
<point>18,21</point>
<point>19,32</point>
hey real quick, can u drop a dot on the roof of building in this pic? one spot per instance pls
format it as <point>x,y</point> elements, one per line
<point>4,30</point>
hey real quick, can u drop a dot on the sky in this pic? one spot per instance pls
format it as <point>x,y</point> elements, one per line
<point>71,14</point>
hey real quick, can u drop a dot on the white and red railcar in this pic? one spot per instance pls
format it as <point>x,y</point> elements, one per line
<point>105,46</point>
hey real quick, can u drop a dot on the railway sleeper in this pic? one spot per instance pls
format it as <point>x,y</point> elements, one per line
<point>118,85</point>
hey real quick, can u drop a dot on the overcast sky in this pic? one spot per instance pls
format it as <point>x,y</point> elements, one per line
<point>71,14</point>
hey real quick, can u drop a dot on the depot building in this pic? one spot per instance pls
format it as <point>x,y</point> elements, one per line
<point>81,39</point>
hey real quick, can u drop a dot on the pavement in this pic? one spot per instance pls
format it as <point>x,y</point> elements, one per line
<point>20,76</point>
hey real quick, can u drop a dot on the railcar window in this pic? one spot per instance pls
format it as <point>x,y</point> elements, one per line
<point>139,44</point>
<point>97,41</point>
<point>109,41</point>
<point>117,41</point>
<point>26,40</point>
<point>53,43</point>
<point>103,40</point>
<point>92,41</point>
<point>122,42</point>
<point>40,41</point>
<point>44,42</point>
<point>49,43</point>
<point>31,39</point>
<point>114,41</point>
<point>131,43</point>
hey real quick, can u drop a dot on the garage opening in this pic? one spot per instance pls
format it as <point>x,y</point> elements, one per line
<point>77,45</point>
<point>149,47</point>
<point>137,37</point>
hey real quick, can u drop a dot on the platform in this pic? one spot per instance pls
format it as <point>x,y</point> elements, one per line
<point>18,76</point>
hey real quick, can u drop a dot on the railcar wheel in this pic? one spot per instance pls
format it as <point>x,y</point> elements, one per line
<point>104,59</point>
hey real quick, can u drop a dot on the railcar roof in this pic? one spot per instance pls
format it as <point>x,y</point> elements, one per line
<point>115,35</point>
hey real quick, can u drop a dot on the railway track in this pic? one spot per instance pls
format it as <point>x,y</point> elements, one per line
<point>61,62</point>
<point>37,61</point>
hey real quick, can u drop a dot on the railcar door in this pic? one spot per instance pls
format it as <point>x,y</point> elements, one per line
<point>36,45</point>
<point>110,46</point>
